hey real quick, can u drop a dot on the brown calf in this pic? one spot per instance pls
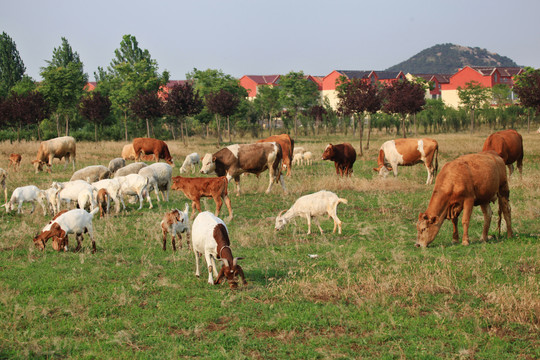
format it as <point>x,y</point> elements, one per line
<point>103,199</point>
<point>15,161</point>
<point>195,188</point>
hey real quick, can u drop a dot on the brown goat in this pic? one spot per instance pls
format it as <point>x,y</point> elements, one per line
<point>103,200</point>
<point>195,188</point>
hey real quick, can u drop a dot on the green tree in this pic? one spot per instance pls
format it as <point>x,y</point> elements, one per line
<point>267,103</point>
<point>472,97</point>
<point>501,94</point>
<point>95,108</point>
<point>11,65</point>
<point>130,72</point>
<point>297,94</point>
<point>63,83</point>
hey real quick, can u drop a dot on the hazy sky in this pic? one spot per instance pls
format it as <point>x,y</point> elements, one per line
<point>255,37</point>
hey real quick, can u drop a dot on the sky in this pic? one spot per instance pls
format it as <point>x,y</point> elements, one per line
<point>256,37</point>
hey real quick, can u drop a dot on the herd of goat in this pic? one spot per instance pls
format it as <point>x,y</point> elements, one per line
<point>470,180</point>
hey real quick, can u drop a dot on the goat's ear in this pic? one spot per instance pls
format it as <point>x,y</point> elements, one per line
<point>235,260</point>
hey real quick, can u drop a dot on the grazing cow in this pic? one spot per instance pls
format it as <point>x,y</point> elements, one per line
<point>234,160</point>
<point>287,148</point>
<point>152,146</point>
<point>470,180</point>
<point>15,161</point>
<point>407,152</point>
<point>175,223</point>
<point>195,188</point>
<point>211,238</point>
<point>61,147</point>
<point>509,145</point>
<point>76,221</point>
<point>343,156</point>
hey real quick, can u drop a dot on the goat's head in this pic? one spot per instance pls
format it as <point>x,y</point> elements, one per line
<point>231,273</point>
<point>280,221</point>
<point>54,232</point>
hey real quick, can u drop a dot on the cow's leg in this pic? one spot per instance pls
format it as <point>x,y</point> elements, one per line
<point>467,211</point>
<point>394,168</point>
<point>195,204</point>
<point>486,210</point>
<point>504,206</point>
<point>237,182</point>
<point>219,203</point>
<point>229,206</point>
<point>282,182</point>
<point>272,176</point>
<point>455,233</point>
<point>510,169</point>
<point>429,174</point>
<point>337,168</point>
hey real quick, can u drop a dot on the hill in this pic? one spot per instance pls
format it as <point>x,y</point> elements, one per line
<point>449,58</point>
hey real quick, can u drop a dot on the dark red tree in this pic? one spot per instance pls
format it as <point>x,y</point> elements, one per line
<point>146,105</point>
<point>527,87</point>
<point>183,101</point>
<point>19,110</point>
<point>95,108</point>
<point>404,98</point>
<point>222,104</point>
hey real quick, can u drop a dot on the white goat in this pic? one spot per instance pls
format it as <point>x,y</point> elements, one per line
<point>135,184</point>
<point>307,158</point>
<point>211,238</point>
<point>29,193</point>
<point>79,191</point>
<point>91,173</point>
<point>76,221</point>
<point>50,197</point>
<point>3,176</point>
<point>190,162</point>
<point>298,150</point>
<point>311,206</point>
<point>175,223</point>
<point>159,178</point>
<point>113,188</point>
<point>297,159</point>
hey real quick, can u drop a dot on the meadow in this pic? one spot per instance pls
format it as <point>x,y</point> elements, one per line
<point>369,293</point>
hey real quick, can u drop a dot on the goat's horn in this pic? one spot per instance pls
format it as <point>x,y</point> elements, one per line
<point>235,260</point>
<point>226,262</point>
<point>281,213</point>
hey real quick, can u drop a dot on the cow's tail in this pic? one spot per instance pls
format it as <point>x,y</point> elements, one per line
<point>280,162</point>
<point>436,158</point>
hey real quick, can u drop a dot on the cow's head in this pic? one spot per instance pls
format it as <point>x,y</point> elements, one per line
<point>329,152</point>
<point>170,161</point>
<point>208,164</point>
<point>38,165</point>
<point>281,221</point>
<point>427,228</point>
<point>383,170</point>
<point>231,273</point>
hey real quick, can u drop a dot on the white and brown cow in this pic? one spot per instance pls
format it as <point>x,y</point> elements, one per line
<point>234,160</point>
<point>60,147</point>
<point>407,152</point>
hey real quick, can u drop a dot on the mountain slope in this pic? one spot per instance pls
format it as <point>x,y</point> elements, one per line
<point>449,58</point>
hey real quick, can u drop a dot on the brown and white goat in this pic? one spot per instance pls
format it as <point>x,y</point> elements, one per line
<point>195,188</point>
<point>15,161</point>
<point>211,238</point>
<point>103,200</point>
<point>175,222</point>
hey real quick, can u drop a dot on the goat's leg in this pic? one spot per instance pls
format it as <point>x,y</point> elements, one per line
<point>174,243</point>
<point>211,267</point>
<point>79,238</point>
<point>316,220</point>
<point>164,240</point>
<point>197,274</point>
<point>308,218</point>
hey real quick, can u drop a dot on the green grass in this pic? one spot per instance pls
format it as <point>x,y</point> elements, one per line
<point>369,294</point>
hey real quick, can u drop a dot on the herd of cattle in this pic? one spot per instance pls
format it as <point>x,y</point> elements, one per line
<point>470,180</point>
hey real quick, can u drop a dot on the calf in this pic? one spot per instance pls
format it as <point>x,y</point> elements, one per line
<point>343,156</point>
<point>211,238</point>
<point>407,152</point>
<point>76,221</point>
<point>508,144</point>
<point>103,202</point>
<point>175,223</point>
<point>470,180</point>
<point>234,160</point>
<point>311,206</point>
<point>195,188</point>
<point>15,161</point>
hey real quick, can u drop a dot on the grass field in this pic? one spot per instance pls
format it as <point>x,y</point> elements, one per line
<point>369,294</point>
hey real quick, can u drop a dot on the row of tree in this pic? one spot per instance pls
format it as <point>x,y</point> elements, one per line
<point>129,100</point>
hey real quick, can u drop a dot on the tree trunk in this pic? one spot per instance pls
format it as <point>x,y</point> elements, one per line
<point>186,130</point>
<point>125,125</point>
<point>414,124</point>
<point>472,121</point>
<point>218,132</point>
<point>360,132</point>
<point>369,132</point>
<point>95,132</point>
<point>57,117</point>
<point>67,124</point>
<point>403,126</point>
<point>229,129</point>
<point>147,128</point>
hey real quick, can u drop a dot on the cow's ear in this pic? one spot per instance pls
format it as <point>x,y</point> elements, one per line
<point>423,216</point>
<point>213,158</point>
<point>433,220</point>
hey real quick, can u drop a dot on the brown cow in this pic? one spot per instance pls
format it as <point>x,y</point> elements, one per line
<point>343,156</point>
<point>15,161</point>
<point>407,152</point>
<point>470,180</point>
<point>509,145</point>
<point>195,188</point>
<point>234,160</point>
<point>60,147</point>
<point>152,146</point>
<point>287,148</point>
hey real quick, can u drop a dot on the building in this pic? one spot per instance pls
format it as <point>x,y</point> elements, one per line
<point>252,82</point>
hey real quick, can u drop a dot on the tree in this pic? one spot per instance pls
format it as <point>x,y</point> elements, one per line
<point>473,96</point>
<point>222,103</point>
<point>501,94</point>
<point>267,103</point>
<point>358,97</point>
<point>296,94</point>
<point>318,112</point>
<point>147,106</point>
<point>131,72</point>
<point>63,82</point>
<point>95,108</point>
<point>404,98</point>
<point>24,109</point>
<point>527,88</point>
<point>183,100</point>
<point>11,65</point>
